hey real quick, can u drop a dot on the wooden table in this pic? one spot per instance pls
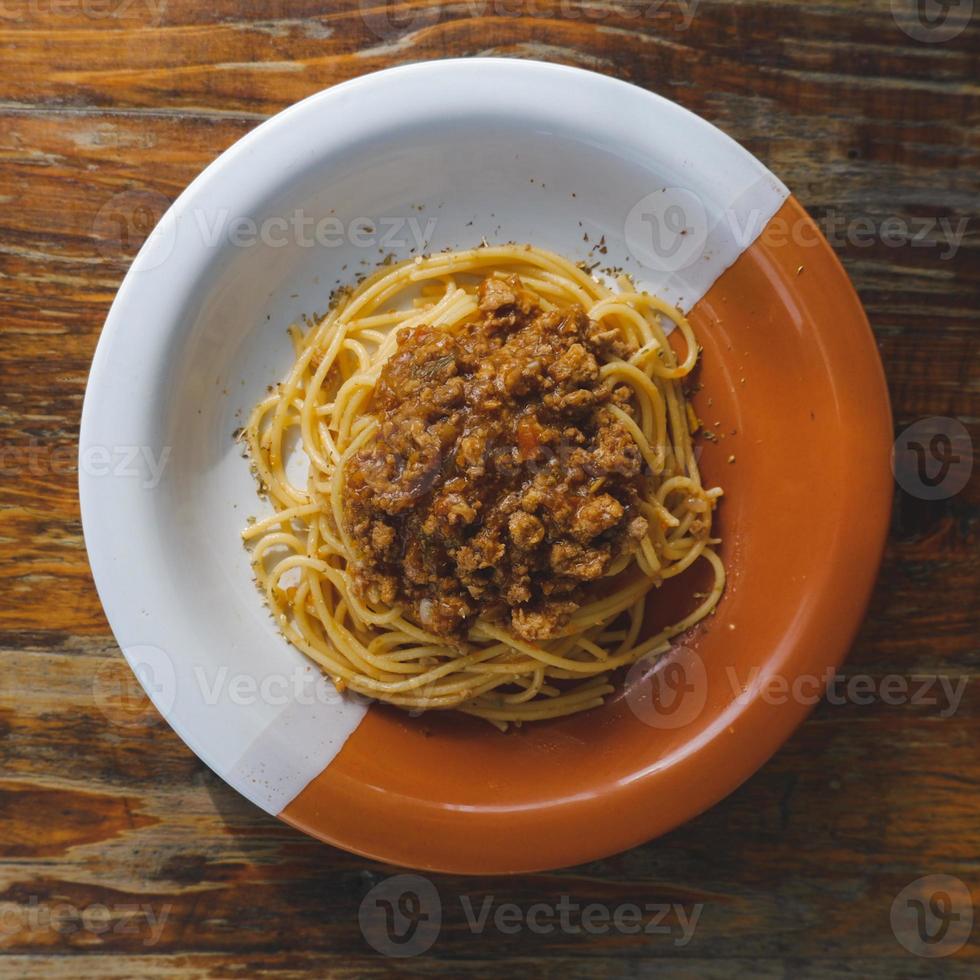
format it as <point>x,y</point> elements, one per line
<point>121,855</point>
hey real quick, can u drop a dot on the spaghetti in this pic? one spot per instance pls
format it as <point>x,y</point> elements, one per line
<point>305,556</point>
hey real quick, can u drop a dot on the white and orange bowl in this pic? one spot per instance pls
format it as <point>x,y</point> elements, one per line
<point>443,154</point>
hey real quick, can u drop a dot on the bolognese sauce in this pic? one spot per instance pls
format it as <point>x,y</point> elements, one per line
<point>499,484</point>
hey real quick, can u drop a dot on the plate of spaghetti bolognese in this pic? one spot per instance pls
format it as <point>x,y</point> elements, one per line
<point>514,428</point>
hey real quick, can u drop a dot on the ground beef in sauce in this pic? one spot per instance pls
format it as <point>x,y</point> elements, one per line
<point>499,484</point>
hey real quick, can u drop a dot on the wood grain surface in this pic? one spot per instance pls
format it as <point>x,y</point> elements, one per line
<point>122,855</point>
